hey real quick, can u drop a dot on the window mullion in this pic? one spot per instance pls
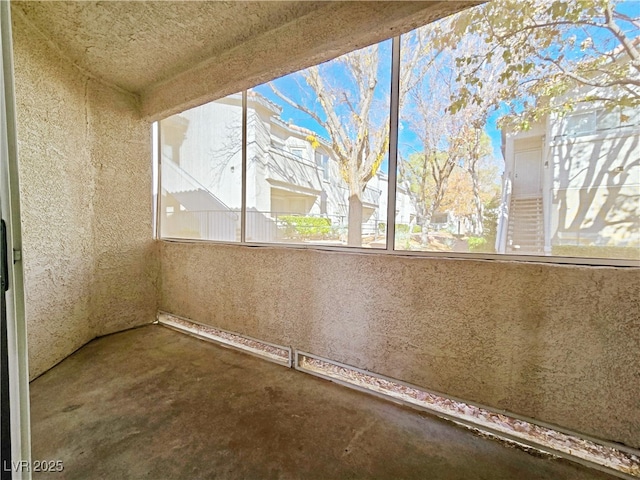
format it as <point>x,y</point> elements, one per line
<point>393,144</point>
<point>243,214</point>
<point>158,166</point>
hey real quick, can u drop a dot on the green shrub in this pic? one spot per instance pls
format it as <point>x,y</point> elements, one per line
<point>480,244</point>
<point>402,228</point>
<point>188,233</point>
<point>304,227</point>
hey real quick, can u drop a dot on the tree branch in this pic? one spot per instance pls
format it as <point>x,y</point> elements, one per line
<point>627,44</point>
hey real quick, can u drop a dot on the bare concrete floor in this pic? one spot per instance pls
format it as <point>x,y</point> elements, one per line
<point>157,404</point>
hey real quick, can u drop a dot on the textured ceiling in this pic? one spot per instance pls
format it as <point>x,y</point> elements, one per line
<point>133,44</point>
<point>174,55</point>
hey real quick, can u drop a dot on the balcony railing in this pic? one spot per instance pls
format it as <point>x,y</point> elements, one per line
<point>265,226</point>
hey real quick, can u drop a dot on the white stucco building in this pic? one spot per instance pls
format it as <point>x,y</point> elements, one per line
<point>572,181</point>
<point>290,171</point>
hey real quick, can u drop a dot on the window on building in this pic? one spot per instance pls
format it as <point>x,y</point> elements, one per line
<point>322,161</point>
<point>581,123</point>
<point>299,152</point>
<point>600,120</point>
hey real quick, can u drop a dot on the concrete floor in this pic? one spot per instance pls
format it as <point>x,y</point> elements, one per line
<point>154,403</point>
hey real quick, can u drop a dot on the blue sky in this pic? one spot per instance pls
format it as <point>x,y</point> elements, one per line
<point>295,87</point>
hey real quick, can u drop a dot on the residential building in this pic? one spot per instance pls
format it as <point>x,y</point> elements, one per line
<point>291,171</point>
<point>572,182</point>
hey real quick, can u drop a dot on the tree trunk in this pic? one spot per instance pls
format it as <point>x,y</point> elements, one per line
<point>424,224</point>
<point>479,228</point>
<point>424,234</point>
<point>355,221</point>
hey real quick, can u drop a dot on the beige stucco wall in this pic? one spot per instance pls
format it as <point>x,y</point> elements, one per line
<point>84,164</point>
<point>126,254</point>
<point>559,344</point>
<point>555,343</point>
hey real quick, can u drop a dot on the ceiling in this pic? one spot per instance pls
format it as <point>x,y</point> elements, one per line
<point>139,43</point>
<point>173,55</point>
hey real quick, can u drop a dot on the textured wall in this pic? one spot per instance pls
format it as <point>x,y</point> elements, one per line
<point>56,176</point>
<point>85,192</point>
<point>126,255</point>
<point>555,343</point>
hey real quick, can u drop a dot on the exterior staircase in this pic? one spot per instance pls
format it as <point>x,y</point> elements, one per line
<point>203,212</point>
<point>526,226</point>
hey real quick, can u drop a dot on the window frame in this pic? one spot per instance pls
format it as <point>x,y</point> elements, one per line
<point>322,162</point>
<point>390,248</point>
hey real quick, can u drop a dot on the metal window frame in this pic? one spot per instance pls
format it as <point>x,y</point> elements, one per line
<point>157,164</point>
<point>18,367</point>
<point>243,206</point>
<point>390,248</point>
<point>394,118</point>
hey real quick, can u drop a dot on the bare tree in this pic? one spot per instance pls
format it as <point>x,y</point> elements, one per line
<point>354,112</point>
<point>478,147</point>
<point>447,140</point>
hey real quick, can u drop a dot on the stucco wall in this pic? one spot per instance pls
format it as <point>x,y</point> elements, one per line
<point>126,265</point>
<point>84,164</point>
<point>556,343</point>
